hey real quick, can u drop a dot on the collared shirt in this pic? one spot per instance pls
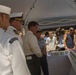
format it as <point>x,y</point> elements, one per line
<point>31,44</point>
<point>11,30</point>
<point>51,43</point>
<point>41,43</point>
<point>12,59</point>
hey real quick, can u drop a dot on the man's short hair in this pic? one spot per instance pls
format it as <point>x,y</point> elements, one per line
<point>32,23</point>
<point>46,33</point>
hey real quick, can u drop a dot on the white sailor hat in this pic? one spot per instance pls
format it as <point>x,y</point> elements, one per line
<point>16,15</point>
<point>5,9</point>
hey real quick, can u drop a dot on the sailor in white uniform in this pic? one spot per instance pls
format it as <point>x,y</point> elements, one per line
<point>16,20</point>
<point>12,59</point>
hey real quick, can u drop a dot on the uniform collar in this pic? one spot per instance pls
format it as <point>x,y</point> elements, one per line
<point>11,27</point>
<point>14,30</point>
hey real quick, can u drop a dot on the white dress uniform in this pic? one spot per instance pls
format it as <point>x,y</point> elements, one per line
<point>31,45</point>
<point>12,59</point>
<point>11,30</point>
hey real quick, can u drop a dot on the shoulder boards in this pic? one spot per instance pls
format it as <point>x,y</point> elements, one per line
<point>13,39</point>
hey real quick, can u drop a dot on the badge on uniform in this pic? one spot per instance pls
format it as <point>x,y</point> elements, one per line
<point>16,32</point>
<point>29,57</point>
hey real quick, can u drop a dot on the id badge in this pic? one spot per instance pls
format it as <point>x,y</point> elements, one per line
<point>29,57</point>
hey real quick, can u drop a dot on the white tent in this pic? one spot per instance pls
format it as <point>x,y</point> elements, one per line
<point>47,12</point>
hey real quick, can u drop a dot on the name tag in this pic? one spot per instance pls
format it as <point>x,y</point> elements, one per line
<point>29,58</point>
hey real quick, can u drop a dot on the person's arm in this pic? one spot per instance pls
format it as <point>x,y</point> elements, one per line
<point>18,60</point>
<point>47,45</point>
<point>66,48</point>
<point>43,50</point>
<point>55,43</point>
<point>34,46</point>
<point>74,42</point>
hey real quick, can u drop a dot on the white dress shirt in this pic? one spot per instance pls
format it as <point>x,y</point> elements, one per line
<point>31,44</point>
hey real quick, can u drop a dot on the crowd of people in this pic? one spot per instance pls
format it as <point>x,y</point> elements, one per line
<point>26,55</point>
<point>60,40</point>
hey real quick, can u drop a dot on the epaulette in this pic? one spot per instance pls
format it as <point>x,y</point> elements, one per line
<point>13,39</point>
